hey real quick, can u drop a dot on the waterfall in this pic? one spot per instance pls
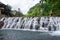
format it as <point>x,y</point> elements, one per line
<point>31,23</point>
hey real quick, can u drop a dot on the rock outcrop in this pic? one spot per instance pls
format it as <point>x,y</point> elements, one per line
<point>1,24</point>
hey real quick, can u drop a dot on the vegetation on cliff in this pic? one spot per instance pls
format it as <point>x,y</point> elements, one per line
<point>45,8</point>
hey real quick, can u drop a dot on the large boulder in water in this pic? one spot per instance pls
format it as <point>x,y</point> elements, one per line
<point>1,24</point>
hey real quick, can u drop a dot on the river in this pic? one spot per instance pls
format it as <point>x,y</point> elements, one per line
<point>26,35</point>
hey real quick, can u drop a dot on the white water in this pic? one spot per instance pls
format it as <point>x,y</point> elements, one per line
<point>33,24</point>
<point>55,33</point>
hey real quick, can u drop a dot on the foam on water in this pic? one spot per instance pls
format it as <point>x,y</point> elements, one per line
<point>55,33</point>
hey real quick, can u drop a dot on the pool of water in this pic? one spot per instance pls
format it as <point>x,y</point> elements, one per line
<point>25,35</point>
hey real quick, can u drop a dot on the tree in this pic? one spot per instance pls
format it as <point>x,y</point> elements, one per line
<point>34,11</point>
<point>17,13</point>
<point>9,7</point>
<point>51,6</point>
<point>6,10</point>
<point>45,8</point>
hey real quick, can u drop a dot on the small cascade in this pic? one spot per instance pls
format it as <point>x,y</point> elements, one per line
<point>31,23</point>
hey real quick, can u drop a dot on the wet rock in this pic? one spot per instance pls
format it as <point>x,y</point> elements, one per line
<point>54,27</point>
<point>31,27</point>
<point>49,28</point>
<point>36,27</point>
<point>44,24</point>
<point>1,24</point>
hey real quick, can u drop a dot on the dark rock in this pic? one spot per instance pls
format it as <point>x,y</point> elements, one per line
<point>22,27</point>
<point>1,24</point>
<point>49,28</point>
<point>44,24</point>
<point>36,27</point>
<point>31,27</point>
<point>54,27</point>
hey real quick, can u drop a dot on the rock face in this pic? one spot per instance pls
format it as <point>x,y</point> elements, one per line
<point>1,24</point>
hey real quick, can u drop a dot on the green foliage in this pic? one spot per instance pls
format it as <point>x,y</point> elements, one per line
<point>34,11</point>
<point>45,8</point>
<point>17,13</point>
<point>9,7</point>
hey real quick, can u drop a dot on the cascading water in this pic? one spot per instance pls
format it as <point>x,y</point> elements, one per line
<point>45,24</point>
<point>32,23</point>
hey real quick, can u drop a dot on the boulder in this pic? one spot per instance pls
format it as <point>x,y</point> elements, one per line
<point>1,24</point>
<point>49,28</point>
